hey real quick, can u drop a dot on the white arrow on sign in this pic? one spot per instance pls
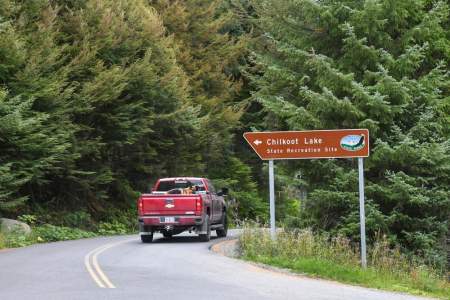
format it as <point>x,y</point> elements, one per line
<point>257,142</point>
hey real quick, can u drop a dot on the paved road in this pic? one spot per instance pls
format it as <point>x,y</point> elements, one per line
<point>181,268</point>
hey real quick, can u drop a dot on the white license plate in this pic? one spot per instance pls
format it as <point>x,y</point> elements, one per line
<point>167,219</point>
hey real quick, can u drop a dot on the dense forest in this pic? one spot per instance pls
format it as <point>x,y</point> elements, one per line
<point>98,98</point>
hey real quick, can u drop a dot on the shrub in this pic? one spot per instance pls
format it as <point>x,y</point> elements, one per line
<point>115,227</point>
<point>78,219</point>
<point>15,240</point>
<point>114,216</point>
<point>29,219</point>
<point>51,233</point>
<point>293,222</point>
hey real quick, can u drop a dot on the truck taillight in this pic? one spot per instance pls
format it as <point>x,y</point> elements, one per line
<point>140,206</point>
<point>198,204</point>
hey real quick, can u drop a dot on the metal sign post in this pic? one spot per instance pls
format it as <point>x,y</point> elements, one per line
<point>362,214</point>
<point>272,200</point>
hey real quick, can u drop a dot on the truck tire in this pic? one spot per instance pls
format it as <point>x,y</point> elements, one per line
<point>224,231</point>
<point>147,238</point>
<point>206,237</point>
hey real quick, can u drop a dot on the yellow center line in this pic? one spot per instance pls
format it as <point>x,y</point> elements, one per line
<point>90,270</point>
<point>94,269</point>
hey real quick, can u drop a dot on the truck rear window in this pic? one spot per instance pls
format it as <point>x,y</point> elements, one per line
<point>167,185</point>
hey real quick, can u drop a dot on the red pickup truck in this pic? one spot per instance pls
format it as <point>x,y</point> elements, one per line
<point>180,204</point>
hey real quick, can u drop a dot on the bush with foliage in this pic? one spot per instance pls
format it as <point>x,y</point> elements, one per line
<point>28,219</point>
<point>51,233</point>
<point>105,228</point>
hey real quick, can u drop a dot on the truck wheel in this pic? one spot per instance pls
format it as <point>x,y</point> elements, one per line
<point>147,238</point>
<point>206,237</point>
<point>224,231</point>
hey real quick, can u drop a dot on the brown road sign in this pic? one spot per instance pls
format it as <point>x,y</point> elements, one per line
<point>340,143</point>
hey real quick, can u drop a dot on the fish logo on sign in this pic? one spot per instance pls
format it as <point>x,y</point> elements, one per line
<point>353,142</point>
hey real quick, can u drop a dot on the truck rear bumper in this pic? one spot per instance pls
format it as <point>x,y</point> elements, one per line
<point>157,221</point>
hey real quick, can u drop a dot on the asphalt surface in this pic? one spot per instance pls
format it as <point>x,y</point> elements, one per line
<point>181,268</point>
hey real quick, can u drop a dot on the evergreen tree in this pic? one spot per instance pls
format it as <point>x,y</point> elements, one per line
<point>381,65</point>
<point>212,49</point>
<point>35,136</point>
<point>94,100</point>
<point>134,113</point>
<point>210,56</point>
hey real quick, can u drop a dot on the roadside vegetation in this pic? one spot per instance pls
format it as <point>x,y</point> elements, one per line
<point>2,241</point>
<point>337,258</point>
<point>98,98</point>
<point>72,226</point>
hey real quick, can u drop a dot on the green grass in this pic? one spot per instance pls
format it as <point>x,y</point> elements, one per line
<point>335,259</point>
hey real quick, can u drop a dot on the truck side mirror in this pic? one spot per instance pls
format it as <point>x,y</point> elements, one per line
<point>223,192</point>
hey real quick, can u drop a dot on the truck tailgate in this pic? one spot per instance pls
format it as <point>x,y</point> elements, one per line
<point>169,204</point>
